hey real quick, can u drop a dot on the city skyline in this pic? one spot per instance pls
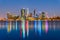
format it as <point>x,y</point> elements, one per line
<point>14,6</point>
<point>29,19</point>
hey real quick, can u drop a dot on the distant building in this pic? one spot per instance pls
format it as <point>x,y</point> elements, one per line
<point>14,17</point>
<point>27,12</point>
<point>30,15</point>
<point>23,12</point>
<point>43,15</point>
<point>34,12</point>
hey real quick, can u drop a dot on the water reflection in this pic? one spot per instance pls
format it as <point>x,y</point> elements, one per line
<point>25,26</point>
<point>46,26</point>
<point>39,26</point>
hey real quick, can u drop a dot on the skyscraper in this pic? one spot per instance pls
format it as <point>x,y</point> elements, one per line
<point>43,15</point>
<point>34,12</point>
<point>27,12</point>
<point>23,12</point>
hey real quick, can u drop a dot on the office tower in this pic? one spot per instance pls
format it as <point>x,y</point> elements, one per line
<point>30,15</point>
<point>9,15</point>
<point>23,12</point>
<point>43,16</point>
<point>34,12</point>
<point>27,12</point>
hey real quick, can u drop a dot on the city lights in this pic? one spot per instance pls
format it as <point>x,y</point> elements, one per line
<point>28,21</point>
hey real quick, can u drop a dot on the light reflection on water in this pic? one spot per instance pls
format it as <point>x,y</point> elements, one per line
<point>15,25</point>
<point>32,27</point>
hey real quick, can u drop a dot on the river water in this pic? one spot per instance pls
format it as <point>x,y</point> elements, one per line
<point>30,30</point>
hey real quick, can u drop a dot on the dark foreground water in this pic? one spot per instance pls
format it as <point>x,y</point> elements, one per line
<point>15,35</point>
<point>52,34</point>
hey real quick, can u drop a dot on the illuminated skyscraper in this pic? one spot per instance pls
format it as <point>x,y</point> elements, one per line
<point>27,12</point>
<point>34,12</point>
<point>23,12</point>
<point>43,15</point>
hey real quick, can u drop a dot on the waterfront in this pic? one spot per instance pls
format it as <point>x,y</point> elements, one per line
<point>29,30</point>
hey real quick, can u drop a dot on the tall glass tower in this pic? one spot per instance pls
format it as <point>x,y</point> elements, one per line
<point>23,12</point>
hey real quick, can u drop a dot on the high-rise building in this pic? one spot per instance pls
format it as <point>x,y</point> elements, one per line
<point>43,15</point>
<point>34,12</point>
<point>27,12</point>
<point>23,12</point>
